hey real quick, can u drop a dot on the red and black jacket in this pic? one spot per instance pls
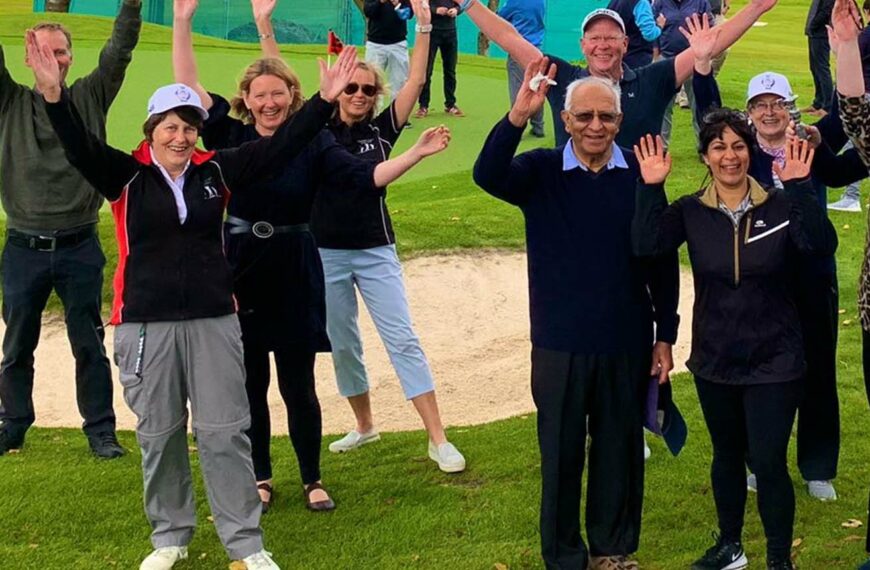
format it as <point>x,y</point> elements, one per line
<point>169,271</point>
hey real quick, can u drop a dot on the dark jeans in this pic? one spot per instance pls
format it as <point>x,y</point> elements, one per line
<point>818,436</point>
<point>820,67</point>
<point>757,420</point>
<point>609,390</point>
<point>446,41</point>
<point>28,277</point>
<point>295,368</point>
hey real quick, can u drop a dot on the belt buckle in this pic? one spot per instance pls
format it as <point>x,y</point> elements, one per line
<point>36,243</point>
<point>262,230</point>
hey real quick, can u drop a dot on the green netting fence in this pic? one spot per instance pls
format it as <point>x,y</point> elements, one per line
<point>309,21</point>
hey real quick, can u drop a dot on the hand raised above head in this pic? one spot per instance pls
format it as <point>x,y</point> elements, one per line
<point>46,71</point>
<point>539,76</point>
<point>184,9</point>
<point>702,37</point>
<point>845,23</point>
<point>334,79</point>
<point>655,162</point>
<point>422,11</point>
<point>263,9</point>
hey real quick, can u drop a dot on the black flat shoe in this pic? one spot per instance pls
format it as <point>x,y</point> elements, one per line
<point>317,506</point>
<point>267,504</point>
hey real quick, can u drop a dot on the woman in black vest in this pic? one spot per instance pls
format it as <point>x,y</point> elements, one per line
<point>177,336</point>
<point>278,276</point>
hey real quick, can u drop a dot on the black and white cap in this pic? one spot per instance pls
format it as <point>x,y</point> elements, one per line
<point>602,13</point>
<point>173,96</point>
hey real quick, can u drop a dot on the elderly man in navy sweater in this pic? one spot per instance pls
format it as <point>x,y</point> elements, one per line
<point>592,305</point>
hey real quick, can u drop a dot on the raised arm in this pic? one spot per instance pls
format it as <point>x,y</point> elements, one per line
<point>496,170</point>
<point>105,81</point>
<point>501,33</point>
<point>843,34</point>
<point>7,85</point>
<point>432,141</point>
<point>702,39</point>
<point>809,227</point>
<point>656,228</point>
<point>105,168</point>
<point>183,58</point>
<point>643,17</point>
<point>263,17</point>
<point>731,31</point>
<point>410,92</point>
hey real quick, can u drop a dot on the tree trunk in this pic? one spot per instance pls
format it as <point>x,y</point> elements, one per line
<point>57,5</point>
<point>482,40</point>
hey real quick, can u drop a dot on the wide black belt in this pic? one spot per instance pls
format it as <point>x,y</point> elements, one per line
<point>49,243</point>
<point>262,230</point>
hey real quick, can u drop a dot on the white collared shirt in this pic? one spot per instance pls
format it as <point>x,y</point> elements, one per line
<point>176,185</point>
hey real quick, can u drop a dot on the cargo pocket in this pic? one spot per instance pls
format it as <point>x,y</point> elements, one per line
<point>134,394</point>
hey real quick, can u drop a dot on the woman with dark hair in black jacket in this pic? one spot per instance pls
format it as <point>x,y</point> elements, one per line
<point>747,355</point>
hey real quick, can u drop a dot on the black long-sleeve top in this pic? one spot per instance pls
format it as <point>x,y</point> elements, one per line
<point>745,323</point>
<point>278,281</point>
<point>168,270</point>
<point>383,24</point>
<point>588,293</point>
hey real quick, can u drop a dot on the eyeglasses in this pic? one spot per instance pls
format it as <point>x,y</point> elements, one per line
<point>586,117</point>
<point>604,39</point>
<point>767,106</point>
<point>368,90</point>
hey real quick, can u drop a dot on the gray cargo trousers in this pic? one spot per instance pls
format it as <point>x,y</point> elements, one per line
<point>162,366</point>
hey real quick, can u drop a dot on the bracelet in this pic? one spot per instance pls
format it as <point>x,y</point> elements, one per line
<point>423,29</point>
<point>266,36</point>
<point>463,6</point>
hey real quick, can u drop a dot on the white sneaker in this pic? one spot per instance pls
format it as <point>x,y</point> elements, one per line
<point>752,483</point>
<point>846,204</point>
<point>447,457</point>
<point>647,452</point>
<point>353,440</point>
<point>260,561</point>
<point>822,490</point>
<point>164,558</point>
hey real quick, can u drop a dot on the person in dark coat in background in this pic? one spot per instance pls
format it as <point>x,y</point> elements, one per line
<point>819,51</point>
<point>640,28</point>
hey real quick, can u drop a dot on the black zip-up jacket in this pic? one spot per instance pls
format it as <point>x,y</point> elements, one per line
<point>745,326</point>
<point>169,271</point>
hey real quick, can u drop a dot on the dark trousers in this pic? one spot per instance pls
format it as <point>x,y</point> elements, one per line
<point>609,391</point>
<point>28,277</point>
<point>818,436</point>
<point>446,41</point>
<point>820,67</point>
<point>295,366</point>
<point>757,420</point>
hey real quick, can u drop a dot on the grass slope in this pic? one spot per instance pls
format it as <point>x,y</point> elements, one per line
<point>61,509</point>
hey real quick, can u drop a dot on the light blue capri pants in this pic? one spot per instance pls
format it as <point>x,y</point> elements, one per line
<point>377,273</point>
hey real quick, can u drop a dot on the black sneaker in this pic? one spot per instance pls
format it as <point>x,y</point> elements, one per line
<point>722,556</point>
<point>105,445</point>
<point>780,564</point>
<point>8,442</point>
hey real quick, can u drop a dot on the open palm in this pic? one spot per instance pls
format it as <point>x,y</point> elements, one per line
<point>334,79</point>
<point>422,11</point>
<point>655,163</point>
<point>798,160</point>
<point>433,140</point>
<point>184,9</point>
<point>46,72</point>
<point>263,8</point>
<point>701,36</point>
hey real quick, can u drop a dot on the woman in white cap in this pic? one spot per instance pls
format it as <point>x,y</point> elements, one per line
<point>177,337</point>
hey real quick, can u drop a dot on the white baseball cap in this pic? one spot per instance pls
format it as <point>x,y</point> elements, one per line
<point>770,83</point>
<point>173,96</point>
<point>603,13</point>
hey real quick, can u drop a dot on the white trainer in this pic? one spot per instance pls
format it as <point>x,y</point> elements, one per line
<point>353,440</point>
<point>164,558</point>
<point>752,483</point>
<point>822,490</point>
<point>447,457</point>
<point>260,561</point>
<point>846,204</point>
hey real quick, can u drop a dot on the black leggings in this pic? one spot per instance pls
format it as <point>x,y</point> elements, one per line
<point>752,420</point>
<point>296,382</point>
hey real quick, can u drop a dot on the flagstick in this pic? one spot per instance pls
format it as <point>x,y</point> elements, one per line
<point>329,60</point>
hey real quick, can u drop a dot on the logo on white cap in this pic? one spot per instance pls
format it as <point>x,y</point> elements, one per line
<point>603,13</point>
<point>770,83</point>
<point>173,96</point>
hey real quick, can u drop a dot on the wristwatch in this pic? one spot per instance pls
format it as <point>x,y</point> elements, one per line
<point>423,29</point>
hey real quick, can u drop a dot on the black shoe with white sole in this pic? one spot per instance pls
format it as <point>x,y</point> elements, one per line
<point>722,556</point>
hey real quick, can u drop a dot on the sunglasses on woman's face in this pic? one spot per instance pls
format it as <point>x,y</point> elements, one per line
<point>368,90</point>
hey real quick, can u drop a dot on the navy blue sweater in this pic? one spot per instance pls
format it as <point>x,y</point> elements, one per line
<point>587,292</point>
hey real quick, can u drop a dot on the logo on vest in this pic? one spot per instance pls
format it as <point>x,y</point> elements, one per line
<point>210,192</point>
<point>366,145</point>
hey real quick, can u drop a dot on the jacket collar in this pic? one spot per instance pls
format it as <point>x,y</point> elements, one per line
<point>143,155</point>
<point>757,194</point>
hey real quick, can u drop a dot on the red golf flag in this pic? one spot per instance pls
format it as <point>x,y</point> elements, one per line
<point>334,44</point>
